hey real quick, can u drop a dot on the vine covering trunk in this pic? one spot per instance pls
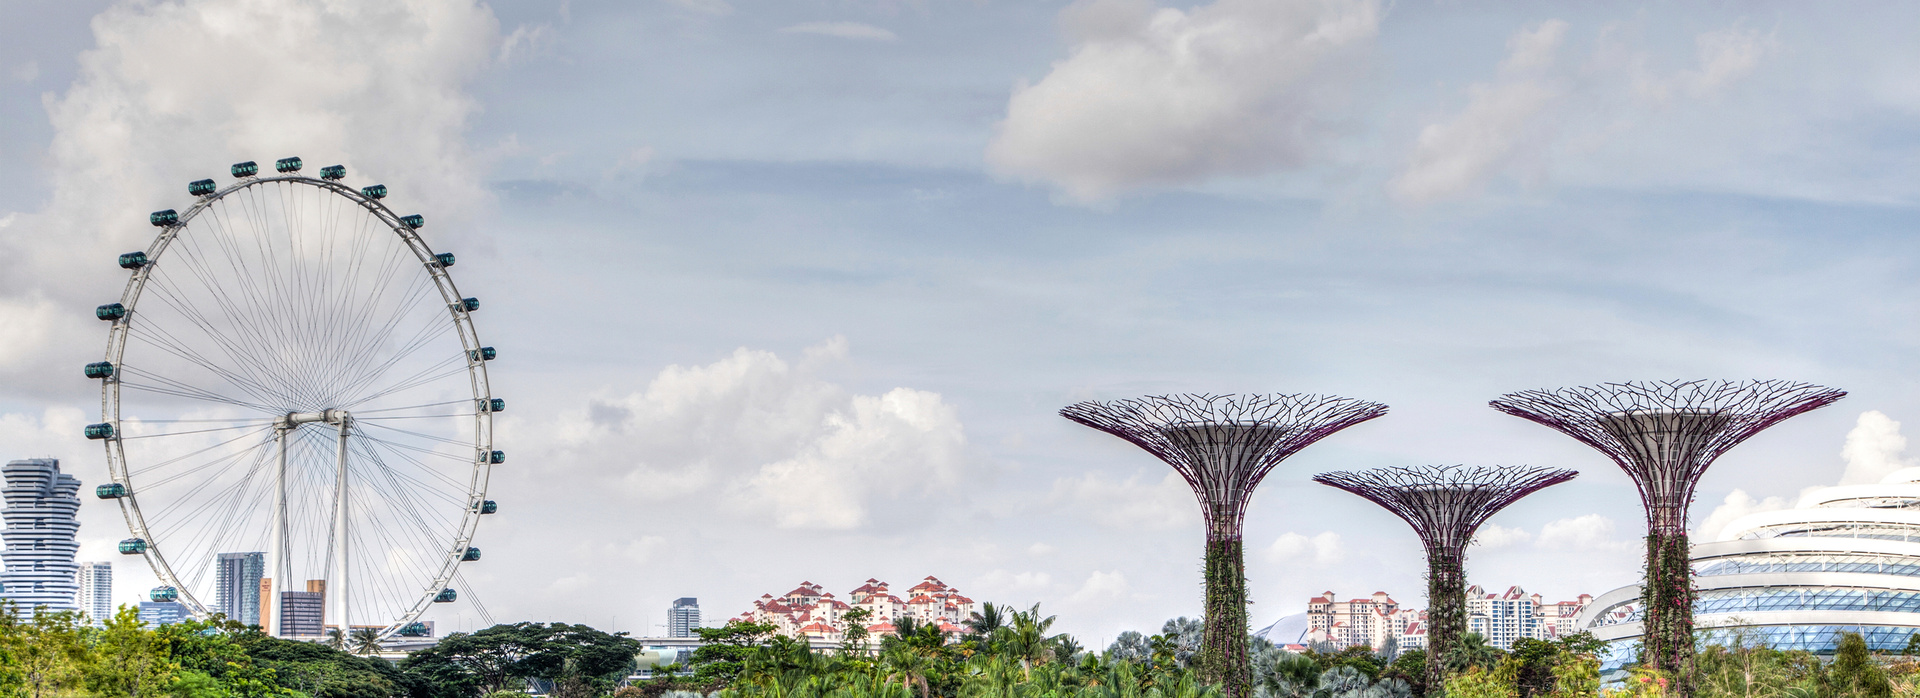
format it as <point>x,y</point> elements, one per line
<point>1667,608</point>
<point>1446,610</point>
<point>1223,649</point>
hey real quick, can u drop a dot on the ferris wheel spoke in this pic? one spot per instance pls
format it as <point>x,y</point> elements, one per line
<point>131,472</point>
<point>466,591</point>
<point>236,505</point>
<point>458,366</point>
<point>195,395</point>
<point>250,317</point>
<point>444,493</point>
<point>246,372</point>
<point>367,371</point>
<point>357,413</point>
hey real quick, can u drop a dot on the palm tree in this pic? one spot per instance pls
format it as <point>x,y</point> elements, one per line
<point>986,620</point>
<point>366,642</point>
<point>1028,640</point>
<point>908,666</point>
<point>336,640</point>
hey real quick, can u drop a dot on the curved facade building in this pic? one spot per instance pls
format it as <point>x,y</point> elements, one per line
<point>1847,559</point>
<point>40,514</point>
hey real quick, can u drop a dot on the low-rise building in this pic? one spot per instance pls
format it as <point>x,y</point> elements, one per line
<point>809,611</point>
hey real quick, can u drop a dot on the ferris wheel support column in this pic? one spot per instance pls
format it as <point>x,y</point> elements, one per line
<point>340,529</point>
<point>270,606</point>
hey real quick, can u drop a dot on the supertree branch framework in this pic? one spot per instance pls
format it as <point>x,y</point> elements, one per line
<point>1665,435</point>
<point>1445,504</point>
<point>1224,445</point>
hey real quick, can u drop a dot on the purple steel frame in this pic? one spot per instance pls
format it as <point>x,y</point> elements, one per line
<point>1665,435</point>
<point>1445,504</point>
<point>1224,445</point>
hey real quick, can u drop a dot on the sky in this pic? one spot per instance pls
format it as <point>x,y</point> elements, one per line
<point>794,290</point>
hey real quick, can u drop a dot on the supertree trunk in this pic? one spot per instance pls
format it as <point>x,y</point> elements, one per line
<point>1666,611</point>
<point>1445,504</point>
<point>1446,611</point>
<point>1223,646</point>
<point>1224,445</point>
<point>1664,435</point>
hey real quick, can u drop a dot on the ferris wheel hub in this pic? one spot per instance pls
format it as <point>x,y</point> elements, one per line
<point>294,419</point>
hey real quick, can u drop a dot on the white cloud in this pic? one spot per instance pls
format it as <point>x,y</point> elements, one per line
<point>527,41</point>
<point>1131,504</point>
<point>844,30</point>
<point>1040,549</point>
<point>1589,532</point>
<point>1321,549</point>
<point>1001,581</point>
<point>1457,155</point>
<point>1737,504</point>
<point>1101,586</point>
<point>25,72</point>
<point>1494,536</point>
<point>1874,449</point>
<point>173,92</point>
<point>1516,120</point>
<point>1160,96</point>
<point>767,438</point>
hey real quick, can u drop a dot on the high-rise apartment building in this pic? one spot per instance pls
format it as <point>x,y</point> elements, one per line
<point>41,503</point>
<point>683,616</point>
<point>158,613</point>
<point>236,586</point>
<point>303,613</point>
<point>1370,621</point>
<point>96,590</point>
<point>1504,618</point>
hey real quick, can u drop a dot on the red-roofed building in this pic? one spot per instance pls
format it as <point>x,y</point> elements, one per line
<point>805,610</point>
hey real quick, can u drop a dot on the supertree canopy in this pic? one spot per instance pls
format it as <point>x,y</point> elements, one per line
<point>1665,435</point>
<point>1445,504</point>
<point>1224,445</point>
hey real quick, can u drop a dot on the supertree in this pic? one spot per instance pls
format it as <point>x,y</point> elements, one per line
<point>1445,504</point>
<point>1665,435</point>
<point>1224,445</point>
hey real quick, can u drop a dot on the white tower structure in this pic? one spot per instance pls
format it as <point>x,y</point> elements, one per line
<point>96,591</point>
<point>41,504</point>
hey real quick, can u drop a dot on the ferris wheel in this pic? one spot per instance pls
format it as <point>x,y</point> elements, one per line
<point>295,408</point>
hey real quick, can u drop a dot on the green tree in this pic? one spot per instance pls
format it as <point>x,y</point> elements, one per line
<point>127,659</point>
<point>364,642</point>
<point>45,655</point>
<point>724,650</point>
<point>1854,673</point>
<point>856,636</point>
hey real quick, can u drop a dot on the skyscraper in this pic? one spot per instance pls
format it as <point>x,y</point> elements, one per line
<point>96,590</point>
<point>683,617</point>
<point>40,505</point>
<point>236,586</point>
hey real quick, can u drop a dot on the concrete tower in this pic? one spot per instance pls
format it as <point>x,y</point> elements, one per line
<point>41,504</point>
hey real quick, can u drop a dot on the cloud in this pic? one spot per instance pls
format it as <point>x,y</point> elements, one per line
<point>1494,536</point>
<point>1589,532</point>
<point>527,41</point>
<point>1535,104</point>
<point>1160,96</point>
<point>172,92</point>
<point>1454,156</point>
<point>1321,549</point>
<point>1101,586</point>
<point>844,30</point>
<point>767,438</point>
<point>1130,504</point>
<point>25,72</point>
<point>1737,504</point>
<point>1874,449</point>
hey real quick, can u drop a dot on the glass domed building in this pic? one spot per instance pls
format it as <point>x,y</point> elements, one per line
<point>1847,559</point>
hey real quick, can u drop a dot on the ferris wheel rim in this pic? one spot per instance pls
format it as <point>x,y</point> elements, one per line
<point>476,368</point>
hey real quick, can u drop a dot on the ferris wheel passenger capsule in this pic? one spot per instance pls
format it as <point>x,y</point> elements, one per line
<point>162,219</point>
<point>100,431</point>
<point>110,311</point>
<point>111,490</point>
<point>493,404</point>
<point>285,165</point>
<point>100,369</point>
<point>497,457</point>
<point>164,594</point>
<point>133,260</point>
<point>244,169</point>
<point>202,187</point>
<point>414,630</point>
<point>133,546</point>
<point>415,221</point>
<point>482,354</point>
<point>377,191</point>
<point>445,596</point>
<point>333,172</point>
<point>445,259</point>
<point>489,506</point>
<point>472,555</point>
<point>469,304</point>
